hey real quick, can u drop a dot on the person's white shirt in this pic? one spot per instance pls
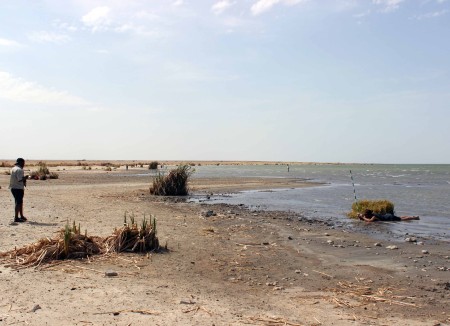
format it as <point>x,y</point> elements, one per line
<point>16,180</point>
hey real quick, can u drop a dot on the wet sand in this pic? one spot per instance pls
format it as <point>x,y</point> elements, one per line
<point>237,267</point>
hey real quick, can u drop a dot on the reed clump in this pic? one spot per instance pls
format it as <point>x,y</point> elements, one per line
<point>175,183</point>
<point>133,237</point>
<point>381,206</point>
<point>70,243</point>
<point>43,173</point>
<point>153,165</point>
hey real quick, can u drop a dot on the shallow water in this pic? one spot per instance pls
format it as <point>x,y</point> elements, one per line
<point>415,190</point>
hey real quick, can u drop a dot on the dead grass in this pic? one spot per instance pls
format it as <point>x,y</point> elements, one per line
<point>43,173</point>
<point>69,243</point>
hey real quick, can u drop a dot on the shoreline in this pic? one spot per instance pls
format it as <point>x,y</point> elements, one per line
<point>236,267</point>
<point>378,231</point>
<point>137,163</point>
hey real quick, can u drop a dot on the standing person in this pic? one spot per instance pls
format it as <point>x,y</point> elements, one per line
<point>17,185</point>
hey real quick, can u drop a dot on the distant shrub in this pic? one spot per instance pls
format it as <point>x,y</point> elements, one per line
<point>381,206</point>
<point>42,168</point>
<point>153,165</point>
<point>43,173</point>
<point>109,164</point>
<point>173,184</point>
<point>53,175</point>
<point>108,168</point>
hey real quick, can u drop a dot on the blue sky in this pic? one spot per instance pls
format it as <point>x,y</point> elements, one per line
<point>277,80</point>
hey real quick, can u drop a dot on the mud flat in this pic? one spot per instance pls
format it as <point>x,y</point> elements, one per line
<point>226,265</point>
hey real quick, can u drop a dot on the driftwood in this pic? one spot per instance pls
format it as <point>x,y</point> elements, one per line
<point>366,293</point>
<point>274,321</point>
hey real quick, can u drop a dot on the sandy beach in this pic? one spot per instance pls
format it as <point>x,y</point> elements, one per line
<point>236,267</point>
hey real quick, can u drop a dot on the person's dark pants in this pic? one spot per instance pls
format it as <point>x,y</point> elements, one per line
<point>18,197</point>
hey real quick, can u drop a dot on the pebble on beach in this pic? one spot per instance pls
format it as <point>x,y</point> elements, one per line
<point>392,247</point>
<point>111,273</point>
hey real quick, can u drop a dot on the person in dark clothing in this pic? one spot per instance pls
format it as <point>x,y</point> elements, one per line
<point>17,184</point>
<point>370,216</point>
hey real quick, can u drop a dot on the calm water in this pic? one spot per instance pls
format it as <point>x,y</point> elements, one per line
<point>415,190</point>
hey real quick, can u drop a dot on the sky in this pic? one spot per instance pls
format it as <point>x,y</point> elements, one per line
<point>255,80</point>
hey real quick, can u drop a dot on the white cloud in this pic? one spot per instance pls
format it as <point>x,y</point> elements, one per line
<point>19,90</point>
<point>98,18</point>
<point>362,14</point>
<point>64,26</point>
<point>221,6</point>
<point>9,43</point>
<point>262,6</point>
<point>140,22</point>
<point>48,37</point>
<point>136,29</point>
<point>388,5</point>
<point>178,3</point>
<point>430,15</point>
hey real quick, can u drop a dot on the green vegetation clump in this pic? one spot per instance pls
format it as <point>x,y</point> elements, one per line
<point>382,206</point>
<point>173,184</point>
<point>153,165</point>
<point>133,237</point>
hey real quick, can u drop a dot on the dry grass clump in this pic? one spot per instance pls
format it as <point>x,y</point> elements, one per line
<point>69,243</point>
<point>382,206</point>
<point>153,165</point>
<point>110,165</point>
<point>369,295</point>
<point>173,184</point>
<point>43,173</point>
<point>133,238</point>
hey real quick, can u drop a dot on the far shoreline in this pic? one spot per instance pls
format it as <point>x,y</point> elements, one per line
<point>138,162</point>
